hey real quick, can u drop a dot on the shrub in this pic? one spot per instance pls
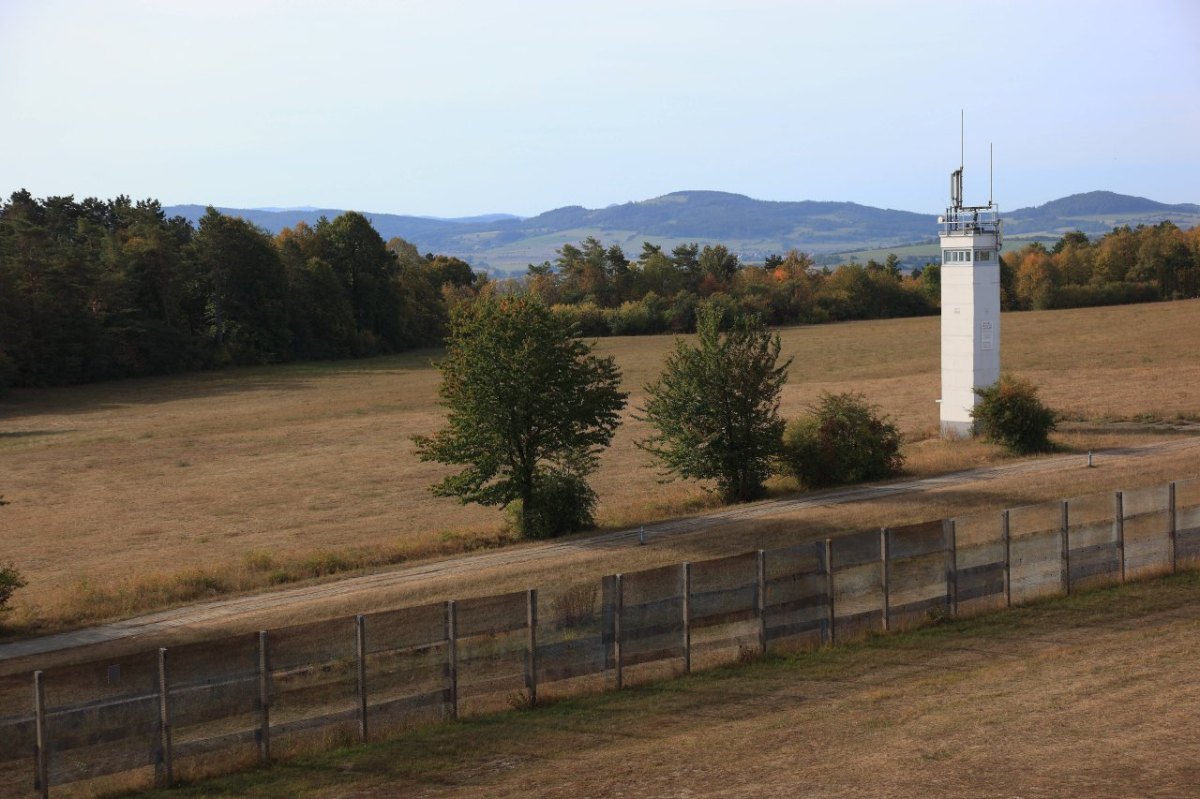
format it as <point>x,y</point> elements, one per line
<point>10,581</point>
<point>842,440</point>
<point>1010,413</point>
<point>633,319</point>
<point>588,318</point>
<point>563,503</point>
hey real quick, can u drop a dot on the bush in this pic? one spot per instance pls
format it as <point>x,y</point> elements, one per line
<point>588,318</point>
<point>1103,294</point>
<point>842,440</point>
<point>10,581</point>
<point>634,319</point>
<point>561,503</point>
<point>1010,413</point>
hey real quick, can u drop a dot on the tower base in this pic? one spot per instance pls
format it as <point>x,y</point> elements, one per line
<point>957,429</point>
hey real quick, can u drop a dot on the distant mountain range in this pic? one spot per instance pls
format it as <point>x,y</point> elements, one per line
<point>752,228</point>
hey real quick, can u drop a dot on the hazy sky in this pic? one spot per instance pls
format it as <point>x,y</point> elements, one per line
<point>456,107</point>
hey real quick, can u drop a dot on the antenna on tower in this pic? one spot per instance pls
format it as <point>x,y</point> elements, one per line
<point>962,137</point>
<point>956,177</point>
<point>991,162</point>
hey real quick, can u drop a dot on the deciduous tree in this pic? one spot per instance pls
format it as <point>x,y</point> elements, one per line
<point>715,410</point>
<point>529,409</point>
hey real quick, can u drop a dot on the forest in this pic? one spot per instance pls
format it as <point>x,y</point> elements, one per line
<point>103,289</point>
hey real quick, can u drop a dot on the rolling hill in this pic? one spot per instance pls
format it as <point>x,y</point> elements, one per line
<point>752,228</point>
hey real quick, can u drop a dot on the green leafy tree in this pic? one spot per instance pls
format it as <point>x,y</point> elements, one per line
<point>10,579</point>
<point>842,440</point>
<point>529,410</point>
<point>246,289</point>
<point>717,261</point>
<point>1010,413</point>
<point>368,269</point>
<point>715,409</point>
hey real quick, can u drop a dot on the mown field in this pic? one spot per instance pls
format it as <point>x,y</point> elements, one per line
<point>1093,695</point>
<point>136,494</point>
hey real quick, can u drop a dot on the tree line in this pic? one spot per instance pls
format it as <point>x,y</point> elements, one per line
<point>96,290</point>
<point>1142,264</point>
<point>606,293</point>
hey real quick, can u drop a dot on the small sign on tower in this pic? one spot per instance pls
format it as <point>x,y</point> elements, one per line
<point>970,278</point>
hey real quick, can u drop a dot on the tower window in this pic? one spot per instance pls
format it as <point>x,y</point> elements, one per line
<point>956,256</point>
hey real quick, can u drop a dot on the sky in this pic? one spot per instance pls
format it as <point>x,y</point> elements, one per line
<point>463,107</point>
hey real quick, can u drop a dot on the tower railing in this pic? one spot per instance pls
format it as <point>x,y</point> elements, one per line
<point>970,220</point>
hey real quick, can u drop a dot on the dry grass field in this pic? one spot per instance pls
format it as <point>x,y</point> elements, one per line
<point>1093,695</point>
<point>131,495</point>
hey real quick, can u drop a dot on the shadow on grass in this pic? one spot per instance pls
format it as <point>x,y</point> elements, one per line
<point>212,383</point>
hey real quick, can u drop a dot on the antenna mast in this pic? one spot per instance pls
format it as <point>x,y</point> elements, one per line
<point>991,161</point>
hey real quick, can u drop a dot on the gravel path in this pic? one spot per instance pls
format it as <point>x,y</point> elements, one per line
<point>228,608</point>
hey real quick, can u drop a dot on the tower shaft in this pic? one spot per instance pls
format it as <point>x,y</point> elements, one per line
<point>970,279</point>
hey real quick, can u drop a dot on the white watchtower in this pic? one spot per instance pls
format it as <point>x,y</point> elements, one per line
<point>970,278</point>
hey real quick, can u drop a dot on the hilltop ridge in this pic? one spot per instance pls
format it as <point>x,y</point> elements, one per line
<point>752,228</point>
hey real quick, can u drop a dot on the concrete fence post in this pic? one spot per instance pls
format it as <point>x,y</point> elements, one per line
<point>41,780</point>
<point>264,698</point>
<point>1119,528</point>
<point>951,533</point>
<point>1065,535</point>
<point>686,619</point>
<point>165,776</point>
<point>451,633</point>
<point>1006,535</point>
<point>531,664</point>
<point>832,617</point>
<point>1174,526</point>
<point>760,563</point>
<point>885,540</point>
<point>618,611</point>
<point>360,646</point>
